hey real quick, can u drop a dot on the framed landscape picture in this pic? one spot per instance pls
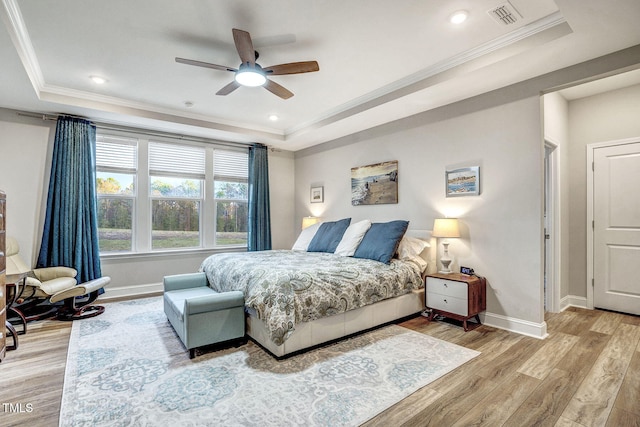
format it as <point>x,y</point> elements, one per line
<point>375,184</point>
<point>463,182</point>
<point>317,195</point>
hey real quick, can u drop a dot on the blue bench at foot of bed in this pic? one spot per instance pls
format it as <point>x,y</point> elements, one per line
<point>201,316</point>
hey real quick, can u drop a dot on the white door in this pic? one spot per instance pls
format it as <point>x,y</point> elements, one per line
<point>616,227</point>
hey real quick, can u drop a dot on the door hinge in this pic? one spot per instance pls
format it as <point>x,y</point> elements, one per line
<point>593,225</point>
<point>593,282</point>
<point>593,166</point>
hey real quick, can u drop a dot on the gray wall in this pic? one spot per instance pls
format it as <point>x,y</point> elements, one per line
<point>501,228</point>
<point>606,117</point>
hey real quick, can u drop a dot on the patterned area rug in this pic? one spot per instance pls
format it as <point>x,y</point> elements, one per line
<point>128,367</point>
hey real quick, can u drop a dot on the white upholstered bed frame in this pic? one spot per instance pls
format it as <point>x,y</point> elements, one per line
<point>316,332</point>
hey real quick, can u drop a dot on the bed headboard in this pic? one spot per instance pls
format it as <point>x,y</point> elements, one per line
<point>429,254</point>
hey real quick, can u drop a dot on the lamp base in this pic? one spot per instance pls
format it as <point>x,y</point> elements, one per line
<point>445,266</point>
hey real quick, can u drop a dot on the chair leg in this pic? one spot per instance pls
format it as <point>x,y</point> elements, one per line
<point>69,311</point>
<point>12,333</point>
<point>83,312</point>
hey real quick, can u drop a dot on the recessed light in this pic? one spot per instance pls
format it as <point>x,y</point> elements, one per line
<point>459,17</point>
<point>98,80</point>
<point>273,118</point>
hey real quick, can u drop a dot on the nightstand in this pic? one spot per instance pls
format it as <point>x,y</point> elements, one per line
<point>456,296</point>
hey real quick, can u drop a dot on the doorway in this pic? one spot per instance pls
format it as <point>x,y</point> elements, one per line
<point>551,278</point>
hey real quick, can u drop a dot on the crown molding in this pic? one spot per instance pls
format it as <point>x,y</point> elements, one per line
<point>12,17</point>
<point>485,54</point>
<point>429,76</point>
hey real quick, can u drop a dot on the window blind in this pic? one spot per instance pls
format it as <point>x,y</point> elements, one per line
<point>230,165</point>
<point>176,160</point>
<point>116,154</point>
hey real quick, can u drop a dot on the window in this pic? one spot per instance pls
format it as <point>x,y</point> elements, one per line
<point>116,167</point>
<point>157,194</point>
<point>176,174</point>
<point>231,191</point>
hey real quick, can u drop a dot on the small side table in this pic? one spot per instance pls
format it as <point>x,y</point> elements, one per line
<point>456,296</point>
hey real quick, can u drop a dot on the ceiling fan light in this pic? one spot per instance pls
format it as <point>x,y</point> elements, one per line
<point>251,78</point>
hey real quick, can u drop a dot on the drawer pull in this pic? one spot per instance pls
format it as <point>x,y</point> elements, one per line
<point>445,300</point>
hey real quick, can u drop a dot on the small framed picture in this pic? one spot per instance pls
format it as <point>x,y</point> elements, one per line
<point>317,194</point>
<point>463,182</point>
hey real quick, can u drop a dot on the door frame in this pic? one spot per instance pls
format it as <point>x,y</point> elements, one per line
<point>552,259</point>
<point>590,200</point>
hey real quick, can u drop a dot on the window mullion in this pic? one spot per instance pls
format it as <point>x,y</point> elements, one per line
<point>208,219</point>
<point>142,229</point>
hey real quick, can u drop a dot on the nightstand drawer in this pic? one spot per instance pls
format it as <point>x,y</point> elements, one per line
<point>447,287</point>
<point>447,303</point>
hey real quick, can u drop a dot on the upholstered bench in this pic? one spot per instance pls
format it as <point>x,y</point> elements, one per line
<point>200,315</point>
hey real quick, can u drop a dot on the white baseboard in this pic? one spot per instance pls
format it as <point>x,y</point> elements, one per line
<point>573,301</point>
<point>519,326</point>
<point>136,291</point>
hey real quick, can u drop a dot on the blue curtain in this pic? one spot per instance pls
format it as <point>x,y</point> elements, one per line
<point>259,238</point>
<point>70,235</point>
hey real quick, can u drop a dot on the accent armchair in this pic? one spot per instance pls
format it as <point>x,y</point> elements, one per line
<point>37,285</point>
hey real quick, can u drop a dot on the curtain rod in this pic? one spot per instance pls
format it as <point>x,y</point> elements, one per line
<point>147,132</point>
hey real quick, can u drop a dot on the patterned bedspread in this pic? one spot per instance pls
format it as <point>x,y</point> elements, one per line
<point>288,287</point>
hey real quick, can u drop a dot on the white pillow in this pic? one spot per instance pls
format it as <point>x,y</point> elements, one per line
<point>410,249</point>
<point>305,237</point>
<point>352,238</point>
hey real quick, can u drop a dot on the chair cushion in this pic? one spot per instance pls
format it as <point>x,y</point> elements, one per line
<point>53,286</point>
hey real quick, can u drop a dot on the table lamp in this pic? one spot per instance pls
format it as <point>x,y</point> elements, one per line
<point>308,221</point>
<point>445,228</point>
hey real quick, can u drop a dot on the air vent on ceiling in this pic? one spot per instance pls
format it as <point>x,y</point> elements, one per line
<point>505,14</point>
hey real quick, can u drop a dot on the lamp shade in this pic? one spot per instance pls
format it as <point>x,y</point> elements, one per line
<point>308,221</point>
<point>445,227</point>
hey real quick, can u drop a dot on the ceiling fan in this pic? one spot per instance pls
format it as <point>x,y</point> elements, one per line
<point>250,73</point>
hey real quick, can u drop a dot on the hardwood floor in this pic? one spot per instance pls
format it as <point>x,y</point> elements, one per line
<point>586,373</point>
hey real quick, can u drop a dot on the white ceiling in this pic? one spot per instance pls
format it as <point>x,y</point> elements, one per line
<point>379,60</point>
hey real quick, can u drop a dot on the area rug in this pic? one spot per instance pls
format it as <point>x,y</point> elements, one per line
<point>127,367</point>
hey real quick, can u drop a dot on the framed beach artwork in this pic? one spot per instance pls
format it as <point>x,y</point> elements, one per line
<point>463,182</point>
<point>375,184</point>
<point>317,195</point>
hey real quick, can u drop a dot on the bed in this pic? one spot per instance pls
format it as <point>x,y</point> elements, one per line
<point>297,299</point>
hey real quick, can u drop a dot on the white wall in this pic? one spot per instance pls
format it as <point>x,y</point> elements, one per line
<point>501,228</point>
<point>24,175</point>
<point>605,117</point>
<point>25,158</point>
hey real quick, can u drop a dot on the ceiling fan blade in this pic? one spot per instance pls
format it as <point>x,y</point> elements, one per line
<point>292,68</point>
<point>276,89</point>
<point>244,46</point>
<point>228,88</point>
<point>204,64</point>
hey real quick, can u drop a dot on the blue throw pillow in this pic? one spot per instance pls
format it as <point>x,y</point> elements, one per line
<point>328,236</point>
<point>381,241</point>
